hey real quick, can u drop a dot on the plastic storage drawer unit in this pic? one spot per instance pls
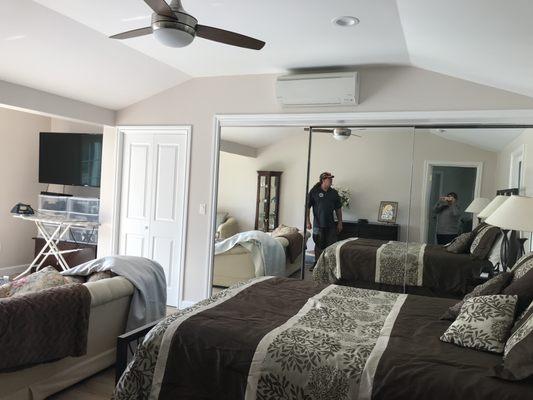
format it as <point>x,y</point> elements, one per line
<point>84,235</point>
<point>83,205</point>
<point>52,203</point>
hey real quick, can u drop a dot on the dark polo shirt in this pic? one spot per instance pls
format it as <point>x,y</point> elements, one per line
<point>324,205</point>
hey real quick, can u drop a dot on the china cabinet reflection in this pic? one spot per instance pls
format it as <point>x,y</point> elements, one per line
<point>268,195</point>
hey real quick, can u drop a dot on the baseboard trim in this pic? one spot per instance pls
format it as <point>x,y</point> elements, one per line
<point>16,269</point>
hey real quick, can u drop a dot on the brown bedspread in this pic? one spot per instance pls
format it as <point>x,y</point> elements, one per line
<point>444,273</point>
<point>193,372</point>
<point>296,241</point>
<point>44,326</point>
<point>416,365</point>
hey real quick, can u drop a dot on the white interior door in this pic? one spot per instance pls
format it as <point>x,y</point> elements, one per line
<point>154,190</point>
<point>135,197</point>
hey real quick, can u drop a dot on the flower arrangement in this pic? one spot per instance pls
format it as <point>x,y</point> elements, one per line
<point>345,196</point>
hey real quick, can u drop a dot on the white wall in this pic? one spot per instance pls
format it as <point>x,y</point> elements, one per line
<point>504,162</point>
<point>19,169</point>
<point>195,102</point>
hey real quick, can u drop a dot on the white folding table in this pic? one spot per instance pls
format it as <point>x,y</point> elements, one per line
<point>52,239</point>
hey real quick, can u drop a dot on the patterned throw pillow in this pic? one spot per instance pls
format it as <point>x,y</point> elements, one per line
<point>461,244</point>
<point>4,290</point>
<point>518,353</point>
<point>522,266</point>
<point>484,323</point>
<point>492,286</point>
<point>522,284</point>
<point>46,278</point>
<point>482,243</point>
<point>75,279</point>
<point>98,276</point>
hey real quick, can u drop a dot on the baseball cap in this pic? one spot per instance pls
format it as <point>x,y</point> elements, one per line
<point>326,175</point>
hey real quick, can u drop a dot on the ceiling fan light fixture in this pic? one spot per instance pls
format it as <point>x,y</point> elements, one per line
<point>172,35</point>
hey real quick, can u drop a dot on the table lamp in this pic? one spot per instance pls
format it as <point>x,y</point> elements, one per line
<point>515,214</point>
<point>492,206</point>
<point>477,205</point>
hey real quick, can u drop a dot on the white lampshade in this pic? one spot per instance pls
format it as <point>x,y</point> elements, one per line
<point>493,206</point>
<point>477,205</point>
<point>515,214</point>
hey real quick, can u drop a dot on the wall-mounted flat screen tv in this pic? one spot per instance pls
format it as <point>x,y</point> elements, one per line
<point>70,158</point>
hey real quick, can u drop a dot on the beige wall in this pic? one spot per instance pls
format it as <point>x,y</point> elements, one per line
<point>197,101</point>
<point>237,192</point>
<point>19,168</point>
<point>430,147</point>
<point>373,168</point>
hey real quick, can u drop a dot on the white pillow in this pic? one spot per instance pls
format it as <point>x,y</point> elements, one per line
<point>495,252</point>
<point>221,218</point>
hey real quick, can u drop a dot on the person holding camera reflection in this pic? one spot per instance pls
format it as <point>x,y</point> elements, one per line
<point>325,202</point>
<point>448,218</point>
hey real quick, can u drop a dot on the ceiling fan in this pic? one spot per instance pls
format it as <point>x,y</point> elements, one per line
<point>337,133</point>
<point>174,27</point>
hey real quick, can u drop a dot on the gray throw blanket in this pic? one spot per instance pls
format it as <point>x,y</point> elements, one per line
<point>44,326</point>
<point>150,296</point>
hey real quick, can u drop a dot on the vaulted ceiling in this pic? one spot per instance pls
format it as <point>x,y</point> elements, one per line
<point>61,46</point>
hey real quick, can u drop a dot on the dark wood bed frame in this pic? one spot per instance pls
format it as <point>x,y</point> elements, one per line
<point>124,347</point>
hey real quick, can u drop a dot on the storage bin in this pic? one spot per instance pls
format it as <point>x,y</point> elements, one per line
<point>52,203</point>
<point>83,217</point>
<point>83,205</point>
<point>52,214</point>
<point>84,235</point>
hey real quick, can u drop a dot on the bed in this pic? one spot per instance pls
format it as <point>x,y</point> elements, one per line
<point>413,268</point>
<point>278,338</point>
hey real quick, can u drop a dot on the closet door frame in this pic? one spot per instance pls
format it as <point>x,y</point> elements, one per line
<point>118,163</point>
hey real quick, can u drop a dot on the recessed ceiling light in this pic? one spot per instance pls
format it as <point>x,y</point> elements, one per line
<point>346,21</point>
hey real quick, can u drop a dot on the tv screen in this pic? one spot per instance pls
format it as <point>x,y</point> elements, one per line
<point>70,158</point>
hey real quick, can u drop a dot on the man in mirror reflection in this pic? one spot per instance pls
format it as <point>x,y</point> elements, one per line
<point>326,204</point>
<point>448,218</point>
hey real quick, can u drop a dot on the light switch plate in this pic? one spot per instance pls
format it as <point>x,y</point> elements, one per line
<point>203,209</point>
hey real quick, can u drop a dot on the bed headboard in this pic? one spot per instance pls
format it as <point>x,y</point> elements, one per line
<point>508,192</point>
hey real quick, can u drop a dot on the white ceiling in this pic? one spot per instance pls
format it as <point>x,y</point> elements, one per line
<point>299,33</point>
<point>486,139</point>
<point>61,46</point>
<point>258,137</point>
<point>45,50</point>
<point>484,41</point>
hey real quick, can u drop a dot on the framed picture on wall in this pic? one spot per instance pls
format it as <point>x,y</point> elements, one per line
<point>388,211</point>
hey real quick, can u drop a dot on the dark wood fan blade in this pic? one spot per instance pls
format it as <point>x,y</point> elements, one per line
<point>320,130</point>
<point>133,33</point>
<point>160,7</point>
<point>227,37</point>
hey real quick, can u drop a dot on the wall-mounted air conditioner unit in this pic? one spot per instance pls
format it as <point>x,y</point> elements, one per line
<point>318,90</point>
